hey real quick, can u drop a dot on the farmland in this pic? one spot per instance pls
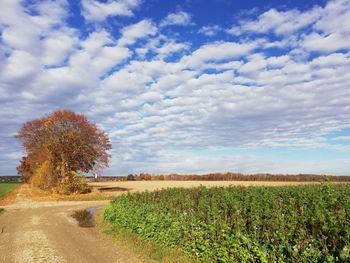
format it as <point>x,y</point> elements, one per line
<point>140,186</point>
<point>6,188</point>
<point>309,223</point>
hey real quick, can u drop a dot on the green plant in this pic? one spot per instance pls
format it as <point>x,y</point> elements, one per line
<point>7,188</point>
<point>236,224</point>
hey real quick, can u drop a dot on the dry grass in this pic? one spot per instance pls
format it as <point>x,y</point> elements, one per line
<point>140,186</point>
<point>40,195</point>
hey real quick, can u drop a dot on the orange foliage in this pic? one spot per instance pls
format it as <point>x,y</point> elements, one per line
<point>60,144</point>
<point>242,177</point>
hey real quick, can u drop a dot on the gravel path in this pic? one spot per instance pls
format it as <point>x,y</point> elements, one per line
<point>32,231</point>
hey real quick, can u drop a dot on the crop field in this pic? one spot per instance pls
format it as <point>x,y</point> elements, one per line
<point>140,186</point>
<point>6,188</point>
<point>309,223</point>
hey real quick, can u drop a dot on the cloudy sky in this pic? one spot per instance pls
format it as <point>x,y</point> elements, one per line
<point>185,86</point>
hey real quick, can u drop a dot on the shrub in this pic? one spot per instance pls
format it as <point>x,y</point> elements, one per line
<point>73,183</point>
<point>41,177</point>
<point>130,177</point>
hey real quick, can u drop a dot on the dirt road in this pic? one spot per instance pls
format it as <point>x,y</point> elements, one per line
<point>32,231</point>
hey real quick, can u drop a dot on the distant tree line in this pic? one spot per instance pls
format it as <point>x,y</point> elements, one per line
<point>230,176</point>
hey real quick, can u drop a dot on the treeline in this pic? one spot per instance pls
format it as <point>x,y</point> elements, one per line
<point>226,177</point>
<point>10,179</point>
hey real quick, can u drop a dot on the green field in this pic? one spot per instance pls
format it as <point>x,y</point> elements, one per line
<point>242,224</point>
<point>6,188</point>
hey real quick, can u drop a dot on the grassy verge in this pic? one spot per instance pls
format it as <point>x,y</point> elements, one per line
<point>147,250</point>
<point>40,195</point>
<point>7,188</point>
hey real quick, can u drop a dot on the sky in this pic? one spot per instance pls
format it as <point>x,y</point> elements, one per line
<point>186,86</point>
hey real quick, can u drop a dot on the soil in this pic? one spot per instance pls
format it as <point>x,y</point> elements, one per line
<point>113,189</point>
<point>34,231</point>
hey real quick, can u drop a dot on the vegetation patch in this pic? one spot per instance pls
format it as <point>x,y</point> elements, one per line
<point>42,195</point>
<point>6,188</point>
<point>148,250</point>
<point>1,210</point>
<point>85,218</point>
<point>60,148</point>
<point>239,224</point>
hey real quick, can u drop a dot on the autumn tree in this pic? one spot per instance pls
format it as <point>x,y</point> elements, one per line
<point>59,147</point>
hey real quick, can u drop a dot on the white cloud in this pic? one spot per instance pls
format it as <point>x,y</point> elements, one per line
<point>180,18</point>
<point>209,31</point>
<point>335,18</point>
<point>169,48</point>
<point>326,43</point>
<point>58,46</point>
<point>98,11</point>
<point>279,22</point>
<point>137,31</point>
<point>96,41</point>
<point>217,52</point>
<point>19,65</point>
<point>50,13</point>
<point>109,57</point>
<point>341,138</point>
<point>166,102</point>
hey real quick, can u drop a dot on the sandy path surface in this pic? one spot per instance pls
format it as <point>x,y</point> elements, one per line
<point>32,231</point>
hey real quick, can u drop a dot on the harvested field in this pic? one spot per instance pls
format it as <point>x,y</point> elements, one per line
<point>140,186</point>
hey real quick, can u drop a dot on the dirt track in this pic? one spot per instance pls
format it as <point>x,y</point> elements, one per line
<point>32,231</point>
<point>38,231</point>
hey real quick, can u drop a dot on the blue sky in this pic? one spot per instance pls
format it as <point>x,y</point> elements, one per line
<point>185,86</point>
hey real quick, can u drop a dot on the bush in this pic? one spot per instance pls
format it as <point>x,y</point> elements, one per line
<point>73,183</point>
<point>130,177</point>
<point>42,177</point>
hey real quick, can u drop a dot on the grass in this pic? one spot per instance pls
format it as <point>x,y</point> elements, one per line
<point>7,188</point>
<point>148,250</point>
<point>41,195</point>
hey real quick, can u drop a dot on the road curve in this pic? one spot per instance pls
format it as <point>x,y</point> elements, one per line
<point>32,231</point>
